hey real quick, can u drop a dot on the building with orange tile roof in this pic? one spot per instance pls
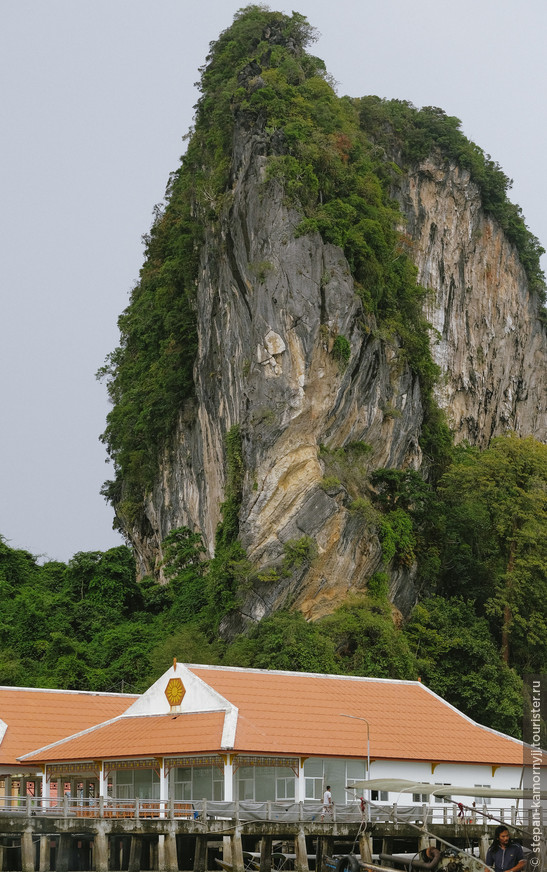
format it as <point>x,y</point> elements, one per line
<point>224,733</point>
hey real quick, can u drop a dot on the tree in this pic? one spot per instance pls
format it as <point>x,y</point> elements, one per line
<point>284,640</point>
<point>457,658</point>
<point>185,566</point>
<point>366,638</point>
<point>496,542</point>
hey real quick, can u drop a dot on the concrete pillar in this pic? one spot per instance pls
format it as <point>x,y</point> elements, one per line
<point>27,852</point>
<point>237,851</point>
<point>100,851</point>
<point>301,851</point>
<point>161,854</point>
<point>365,847</point>
<point>44,854</point>
<point>135,853</point>
<point>170,851</point>
<point>200,854</point>
<point>484,844</point>
<point>63,852</point>
<point>423,843</point>
<point>266,854</point>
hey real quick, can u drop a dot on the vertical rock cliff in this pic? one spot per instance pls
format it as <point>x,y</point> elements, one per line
<point>491,345</point>
<point>321,388</point>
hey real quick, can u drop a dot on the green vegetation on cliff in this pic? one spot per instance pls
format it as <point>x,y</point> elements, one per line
<point>324,151</point>
<point>413,134</point>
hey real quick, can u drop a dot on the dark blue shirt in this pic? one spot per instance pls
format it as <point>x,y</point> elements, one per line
<point>502,859</point>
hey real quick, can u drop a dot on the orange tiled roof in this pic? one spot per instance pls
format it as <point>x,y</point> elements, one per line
<point>293,713</point>
<point>143,736</point>
<point>36,717</point>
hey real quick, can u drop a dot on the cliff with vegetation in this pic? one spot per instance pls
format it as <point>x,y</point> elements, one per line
<point>336,294</point>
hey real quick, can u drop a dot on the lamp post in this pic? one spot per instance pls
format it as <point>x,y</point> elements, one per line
<point>359,718</point>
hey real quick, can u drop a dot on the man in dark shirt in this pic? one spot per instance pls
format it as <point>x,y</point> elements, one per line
<point>503,854</point>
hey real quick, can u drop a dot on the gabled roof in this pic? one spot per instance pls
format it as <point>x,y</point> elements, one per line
<point>33,717</point>
<point>300,713</point>
<point>253,711</point>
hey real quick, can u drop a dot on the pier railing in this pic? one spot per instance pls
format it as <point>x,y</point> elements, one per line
<point>135,809</point>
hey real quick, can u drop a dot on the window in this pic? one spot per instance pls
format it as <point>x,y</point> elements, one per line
<point>339,773</point>
<point>482,800</point>
<point>420,797</point>
<point>245,783</point>
<point>313,775</point>
<point>284,788</point>
<point>137,783</point>
<point>379,795</point>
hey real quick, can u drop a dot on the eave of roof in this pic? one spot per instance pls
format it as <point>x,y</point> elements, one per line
<point>140,736</point>
<point>34,717</point>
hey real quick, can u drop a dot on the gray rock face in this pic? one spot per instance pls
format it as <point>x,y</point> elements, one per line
<point>492,348</point>
<point>269,308</point>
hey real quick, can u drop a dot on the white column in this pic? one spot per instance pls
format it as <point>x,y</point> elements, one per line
<point>45,788</point>
<point>103,781</point>
<point>228,779</point>
<point>301,785</point>
<point>164,788</point>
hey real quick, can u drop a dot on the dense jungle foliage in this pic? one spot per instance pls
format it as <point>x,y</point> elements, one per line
<point>476,530</point>
<point>480,539</point>
<point>335,159</point>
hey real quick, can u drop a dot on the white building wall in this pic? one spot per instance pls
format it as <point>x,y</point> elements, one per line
<point>461,774</point>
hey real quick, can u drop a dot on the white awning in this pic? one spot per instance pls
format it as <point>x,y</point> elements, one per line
<point>403,785</point>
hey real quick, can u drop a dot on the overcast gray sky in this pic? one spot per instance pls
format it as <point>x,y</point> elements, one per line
<point>95,98</point>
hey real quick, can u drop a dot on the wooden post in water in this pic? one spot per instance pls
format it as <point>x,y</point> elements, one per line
<point>237,851</point>
<point>200,854</point>
<point>365,847</point>
<point>266,854</point>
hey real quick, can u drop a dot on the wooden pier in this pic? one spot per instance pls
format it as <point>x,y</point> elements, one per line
<point>135,836</point>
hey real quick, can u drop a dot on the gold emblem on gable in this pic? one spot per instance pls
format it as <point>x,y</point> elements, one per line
<point>175,691</point>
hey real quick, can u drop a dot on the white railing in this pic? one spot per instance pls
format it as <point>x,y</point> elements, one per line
<point>106,807</point>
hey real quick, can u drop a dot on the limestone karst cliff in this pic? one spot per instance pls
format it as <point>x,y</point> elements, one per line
<point>297,356</point>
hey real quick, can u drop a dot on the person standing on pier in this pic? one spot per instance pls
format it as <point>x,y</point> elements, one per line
<point>327,803</point>
<point>504,855</point>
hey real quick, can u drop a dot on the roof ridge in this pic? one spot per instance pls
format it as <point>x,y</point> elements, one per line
<point>290,673</point>
<point>78,692</point>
